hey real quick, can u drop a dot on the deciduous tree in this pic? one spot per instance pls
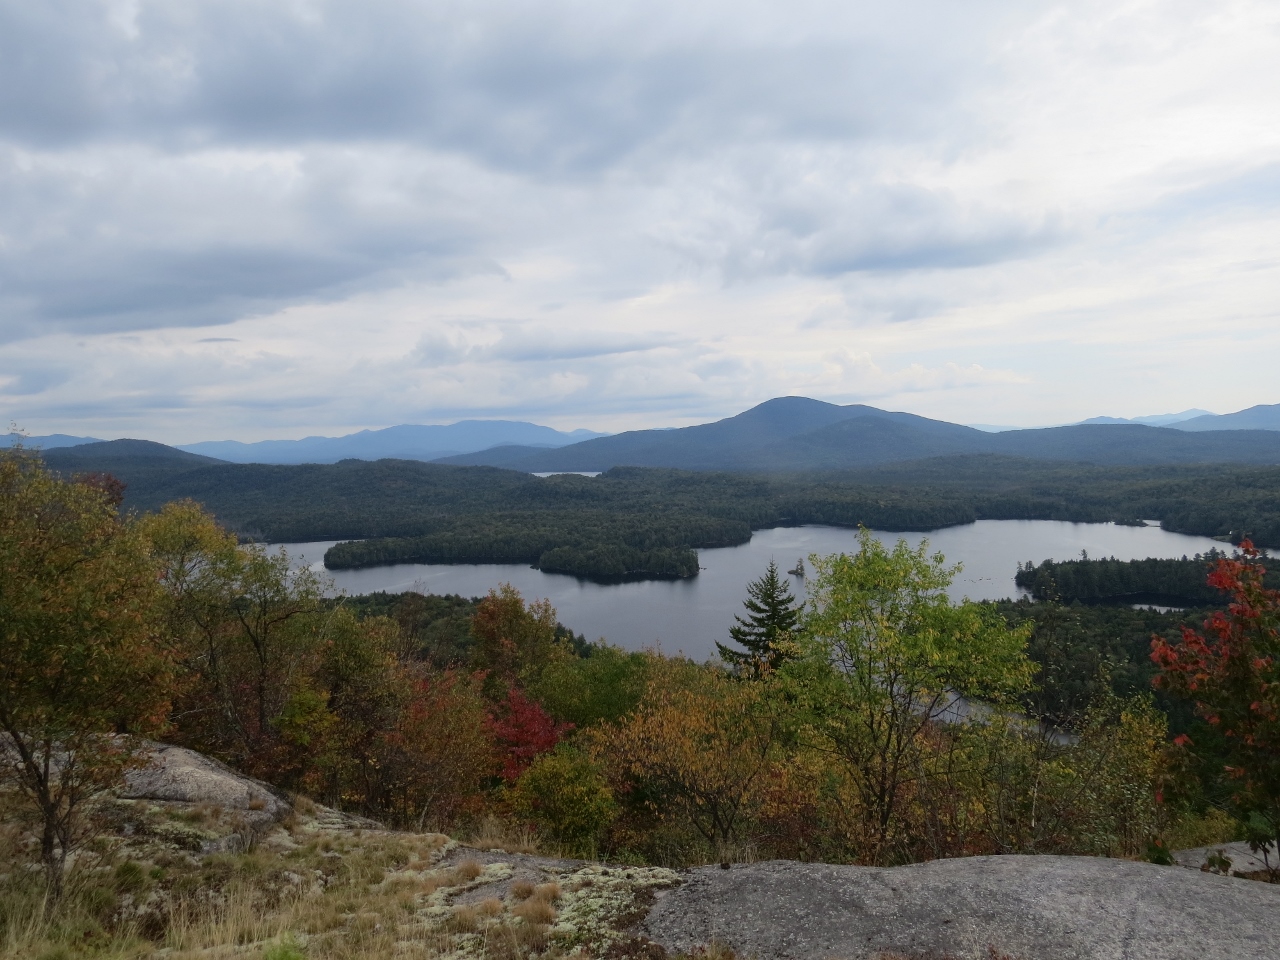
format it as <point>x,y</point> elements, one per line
<point>83,660</point>
<point>1231,671</point>
<point>705,741</point>
<point>250,630</point>
<point>513,641</point>
<point>884,653</point>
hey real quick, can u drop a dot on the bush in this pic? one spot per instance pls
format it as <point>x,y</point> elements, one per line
<point>565,795</point>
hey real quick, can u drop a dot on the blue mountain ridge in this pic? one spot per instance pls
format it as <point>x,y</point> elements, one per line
<point>404,442</point>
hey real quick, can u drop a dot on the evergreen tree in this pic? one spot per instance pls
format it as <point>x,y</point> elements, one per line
<point>772,616</point>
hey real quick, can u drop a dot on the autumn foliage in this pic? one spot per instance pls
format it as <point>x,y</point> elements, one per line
<point>1230,670</point>
<point>876,726</point>
<point>83,656</point>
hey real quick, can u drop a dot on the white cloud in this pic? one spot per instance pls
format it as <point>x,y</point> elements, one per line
<point>312,216</point>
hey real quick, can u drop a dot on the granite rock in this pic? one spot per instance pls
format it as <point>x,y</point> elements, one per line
<point>1021,907</point>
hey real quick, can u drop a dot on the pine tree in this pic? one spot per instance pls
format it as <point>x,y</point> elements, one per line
<point>772,616</point>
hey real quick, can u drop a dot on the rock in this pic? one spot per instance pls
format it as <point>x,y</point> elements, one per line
<point>1243,860</point>
<point>1022,907</point>
<point>176,774</point>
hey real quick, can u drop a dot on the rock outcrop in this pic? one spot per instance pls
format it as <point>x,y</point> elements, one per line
<point>178,775</point>
<point>1020,907</point>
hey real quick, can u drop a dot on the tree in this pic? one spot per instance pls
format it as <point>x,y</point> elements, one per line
<point>83,659</point>
<point>883,655</point>
<point>704,742</point>
<point>772,618</point>
<point>1231,671</point>
<point>523,730</point>
<point>602,687</point>
<point>566,796</point>
<point>250,633</point>
<point>513,641</point>
<point>364,690</point>
<point>440,753</point>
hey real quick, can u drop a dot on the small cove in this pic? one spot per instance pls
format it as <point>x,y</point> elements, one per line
<point>689,616</point>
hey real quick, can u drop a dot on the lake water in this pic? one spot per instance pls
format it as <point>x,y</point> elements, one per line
<point>691,615</point>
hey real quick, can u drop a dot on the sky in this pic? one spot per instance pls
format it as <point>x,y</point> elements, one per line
<point>258,219</point>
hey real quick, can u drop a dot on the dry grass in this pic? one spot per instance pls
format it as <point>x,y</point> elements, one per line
<point>465,872</point>
<point>305,891</point>
<point>535,911</point>
<point>494,834</point>
<point>463,920</point>
<point>237,917</point>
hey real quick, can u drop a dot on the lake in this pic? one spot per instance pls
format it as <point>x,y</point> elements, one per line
<point>691,615</point>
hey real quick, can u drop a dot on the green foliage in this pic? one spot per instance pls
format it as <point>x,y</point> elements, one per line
<point>433,628</point>
<point>1170,582</point>
<point>564,794</point>
<point>772,617</point>
<point>618,563</point>
<point>882,652</point>
<point>81,645</point>
<point>248,630</point>
<point>602,687</point>
<point>1084,652</point>
<point>515,641</point>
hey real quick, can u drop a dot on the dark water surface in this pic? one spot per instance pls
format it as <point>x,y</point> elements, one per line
<point>691,615</point>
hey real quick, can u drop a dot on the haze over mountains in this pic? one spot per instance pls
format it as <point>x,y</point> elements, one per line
<point>1159,420</point>
<point>787,433</point>
<point>796,433</point>
<point>1265,416</point>
<point>405,442</point>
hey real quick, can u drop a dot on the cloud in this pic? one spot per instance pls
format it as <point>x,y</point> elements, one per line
<point>630,212</point>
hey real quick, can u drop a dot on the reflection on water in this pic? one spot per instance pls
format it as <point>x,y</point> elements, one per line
<point>691,615</point>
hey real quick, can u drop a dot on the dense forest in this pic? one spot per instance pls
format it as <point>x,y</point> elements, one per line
<point>637,522</point>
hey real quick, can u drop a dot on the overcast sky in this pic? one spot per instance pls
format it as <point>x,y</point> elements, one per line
<point>271,218</point>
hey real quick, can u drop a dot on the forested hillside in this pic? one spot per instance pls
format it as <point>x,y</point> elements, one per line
<point>1174,582</point>
<point>635,522</point>
<point>796,433</point>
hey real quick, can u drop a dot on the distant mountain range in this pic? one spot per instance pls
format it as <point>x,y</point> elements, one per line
<point>796,433</point>
<point>1159,420</point>
<point>1265,416</point>
<point>787,433</point>
<point>51,442</point>
<point>405,442</point>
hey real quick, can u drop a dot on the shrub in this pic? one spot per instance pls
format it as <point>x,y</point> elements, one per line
<point>565,795</point>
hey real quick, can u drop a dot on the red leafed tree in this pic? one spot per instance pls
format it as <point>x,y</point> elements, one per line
<point>523,730</point>
<point>1231,671</point>
<point>440,754</point>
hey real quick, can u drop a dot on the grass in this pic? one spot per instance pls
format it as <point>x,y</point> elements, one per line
<point>307,892</point>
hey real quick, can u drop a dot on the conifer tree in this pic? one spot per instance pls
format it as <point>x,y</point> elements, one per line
<point>772,616</point>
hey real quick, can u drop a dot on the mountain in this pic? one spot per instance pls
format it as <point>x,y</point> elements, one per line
<point>405,442</point>
<point>1158,420</point>
<point>100,454</point>
<point>137,462</point>
<point>796,433</point>
<point>1265,416</point>
<point>51,442</point>
<point>757,439</point>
